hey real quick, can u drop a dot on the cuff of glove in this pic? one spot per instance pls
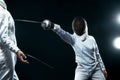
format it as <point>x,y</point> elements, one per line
<point>56,27</point>
<point>16,50</point>
<point>103,69</point>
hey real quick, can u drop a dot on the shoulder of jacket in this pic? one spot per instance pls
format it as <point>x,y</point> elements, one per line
<point>4,13</point>
<point>91,37</point>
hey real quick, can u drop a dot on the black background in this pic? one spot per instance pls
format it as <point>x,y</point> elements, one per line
<point>47,46</point>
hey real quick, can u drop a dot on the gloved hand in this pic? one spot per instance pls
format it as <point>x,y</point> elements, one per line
<point>105,73</point>
<point>47,25</point>
<point>22,57</point>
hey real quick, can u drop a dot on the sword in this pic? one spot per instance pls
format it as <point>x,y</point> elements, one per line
<point>36,22</point>
<point>40,61</point>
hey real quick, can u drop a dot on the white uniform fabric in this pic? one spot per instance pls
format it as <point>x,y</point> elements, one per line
<point>3,4</point>
<point>8,46</point>
<point>82,74</point>
<point>86,50</point>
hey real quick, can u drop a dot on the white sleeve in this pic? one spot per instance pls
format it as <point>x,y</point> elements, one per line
<point>67,37</point>
<point>99,56</point>
<point>4,37</point>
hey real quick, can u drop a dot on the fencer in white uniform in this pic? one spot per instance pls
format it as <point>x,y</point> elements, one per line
<point>88,59</point>
<point>8,46</point>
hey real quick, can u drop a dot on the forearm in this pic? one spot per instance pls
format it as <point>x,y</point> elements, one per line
<point>100,62</point>
<point>65,36</point>
<point>98,56</point>
<point>4,37</point>
<point>9,44</point>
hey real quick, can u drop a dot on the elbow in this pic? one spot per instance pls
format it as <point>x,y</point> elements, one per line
<point>3,39</point>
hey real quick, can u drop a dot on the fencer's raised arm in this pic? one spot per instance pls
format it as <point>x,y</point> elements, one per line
<point>66,36</point>
<point>5,34</point>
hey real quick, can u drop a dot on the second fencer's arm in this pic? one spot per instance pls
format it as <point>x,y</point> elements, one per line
<point>67,37</point>
<point>6,40</point>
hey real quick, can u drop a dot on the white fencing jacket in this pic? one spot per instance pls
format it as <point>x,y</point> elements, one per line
<point>85,48</point>
<point>8,46</point>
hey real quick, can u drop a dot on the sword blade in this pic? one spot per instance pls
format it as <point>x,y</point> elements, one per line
<point>40,61</point>
<point>28,21</point>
